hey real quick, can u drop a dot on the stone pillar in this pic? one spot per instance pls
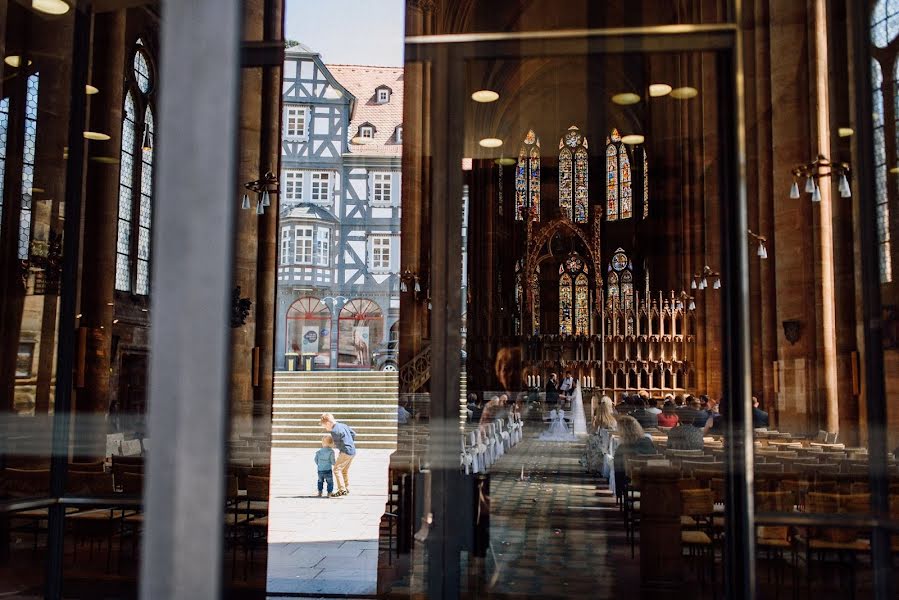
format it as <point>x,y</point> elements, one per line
<point>100,228</point>
<point>824,225</point>
<point>661,560</point>
<point>267,241</point>
<point>246,227</point>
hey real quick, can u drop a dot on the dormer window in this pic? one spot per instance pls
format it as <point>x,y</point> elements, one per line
<point>399,134</point>
<point>367,132</point>
<point>382,94</point>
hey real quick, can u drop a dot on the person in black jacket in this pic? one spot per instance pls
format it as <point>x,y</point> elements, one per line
<point>552,392</point>
<point>759,417</point>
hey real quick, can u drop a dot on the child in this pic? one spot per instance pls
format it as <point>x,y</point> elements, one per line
<point>324,459</point>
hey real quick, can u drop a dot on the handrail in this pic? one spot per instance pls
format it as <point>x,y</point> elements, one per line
<point>416,372</point>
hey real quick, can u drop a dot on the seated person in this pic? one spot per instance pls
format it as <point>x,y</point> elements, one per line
<point>644,416</point>
<point>686,436</point>
<point>633,443</point>
<point>652,406</point>
<point>759,417</point>
<point>669,417</point>
<point>403,416</point>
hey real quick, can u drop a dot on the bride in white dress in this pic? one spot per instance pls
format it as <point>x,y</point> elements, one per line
<point>577,412</point>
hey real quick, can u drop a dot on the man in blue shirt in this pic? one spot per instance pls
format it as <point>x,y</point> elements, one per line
<point>344,440</point>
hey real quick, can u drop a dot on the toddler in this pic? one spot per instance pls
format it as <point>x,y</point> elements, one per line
<point>324,460</point>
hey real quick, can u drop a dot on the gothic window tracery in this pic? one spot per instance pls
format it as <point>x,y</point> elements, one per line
<point>620,281</point>
<point>574,176</point>
<point>527,179</point>
<point>136,176</point>
<point>619,190</point>
<point>574,296</point>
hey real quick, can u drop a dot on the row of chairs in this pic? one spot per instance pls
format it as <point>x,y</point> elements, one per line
<point>483,446</point>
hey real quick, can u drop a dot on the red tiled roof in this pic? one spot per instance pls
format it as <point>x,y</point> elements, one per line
<point>361,81</point>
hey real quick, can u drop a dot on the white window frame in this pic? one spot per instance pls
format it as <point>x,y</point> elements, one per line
<point>383,96</point>
<point>399,134</point>
<point>380,254</point>
<point>303,245</point>
<point>285,246</point>
<point>301,114</point>
<point>323,247</point>
<point>381,188</point>
<point>367,132</point>
<point>316,194</point>
<point>292,185</point>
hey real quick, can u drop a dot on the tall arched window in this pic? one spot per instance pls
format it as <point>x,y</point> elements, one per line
<point>574,296</point>
<point>620,281</point>
<point>619,195</point>
<point>527,179</point>
<point>136,176</point>
<point>573,175</point>
<point>884,79</point>
<point>519,296</point>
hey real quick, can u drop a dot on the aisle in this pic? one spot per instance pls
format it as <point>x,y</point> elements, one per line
<point>558,533</point>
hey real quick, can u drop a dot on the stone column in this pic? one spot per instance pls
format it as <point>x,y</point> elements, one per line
<point>824,225</point>
<point>267,241</point>
<point>246,227</point>
<point>100,228</point>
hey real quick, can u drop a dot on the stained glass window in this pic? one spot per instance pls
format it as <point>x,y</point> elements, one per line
<point>581,170</point>
<point>136,179</point>
<point>611,181</point>
<point>625,193</point>
<point>612,290</point>
<point>620,281</point>
<point>519,296</point>
<point>31,99</point>
<point>566,308</point>
<point>582,305</point>
<point>4,136</point>
<point>880,173</point>
<point>645,185</point>
<point>126,197</point>
<point>527,179</point>
<point>565,168</point>
<point>573,176</point>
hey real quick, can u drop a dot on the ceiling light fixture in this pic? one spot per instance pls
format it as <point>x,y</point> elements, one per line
<point>15,61</point>
<point>95,135</point>
<point>51,7</point>
<point>505,161</point>
<point>485,96</point>
<point>633,139</point>
<point>657,90</point>
<point>490,143</point>
<point>626,98</point>
<point>845,131</point>
<point>91,90</point>
<point>684,93</point>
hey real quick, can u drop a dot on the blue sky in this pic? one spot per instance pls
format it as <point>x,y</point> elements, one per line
<point>365,32</point>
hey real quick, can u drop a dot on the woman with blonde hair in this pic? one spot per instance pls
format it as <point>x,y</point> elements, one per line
<point>596,457</point>
<point>633,442</point>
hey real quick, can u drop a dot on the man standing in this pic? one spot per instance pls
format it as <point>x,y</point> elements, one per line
<point>759,417</point>
<point>567,386</point>
<point>344,440</point>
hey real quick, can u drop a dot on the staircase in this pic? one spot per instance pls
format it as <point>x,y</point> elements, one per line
<point>364,400</point>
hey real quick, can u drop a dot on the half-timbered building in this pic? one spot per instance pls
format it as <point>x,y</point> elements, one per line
<point>338,279</point>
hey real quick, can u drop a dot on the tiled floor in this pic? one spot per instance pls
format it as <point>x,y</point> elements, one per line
<point>324,545</point>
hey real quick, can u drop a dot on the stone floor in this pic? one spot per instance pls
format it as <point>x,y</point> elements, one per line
<point>324,545</point>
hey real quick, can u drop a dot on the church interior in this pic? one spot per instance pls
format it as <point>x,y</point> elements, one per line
<point>633,200</point>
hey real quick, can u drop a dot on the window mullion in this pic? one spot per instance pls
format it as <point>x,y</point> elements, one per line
<point>136,178</point>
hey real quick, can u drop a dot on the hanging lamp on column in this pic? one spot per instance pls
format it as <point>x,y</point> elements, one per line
<point>263,187</point>
<point>817,169</point>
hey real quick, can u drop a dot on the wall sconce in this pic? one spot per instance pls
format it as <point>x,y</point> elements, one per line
<point>815,170</point>
<point>762,251</point>
<point>409,279</point>
<point>792,330</point>
<point>264,188</point>
<point>701,280</point>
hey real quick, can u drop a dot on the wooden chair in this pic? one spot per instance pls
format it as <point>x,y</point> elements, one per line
<point>97,523</point>
<point>256,524</point>
<point>697,514</point>
<point>842,543</point>
<point>774,541</point>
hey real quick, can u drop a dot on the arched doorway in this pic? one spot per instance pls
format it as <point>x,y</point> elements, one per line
<point>309,330</point>
<point>361,323</point>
